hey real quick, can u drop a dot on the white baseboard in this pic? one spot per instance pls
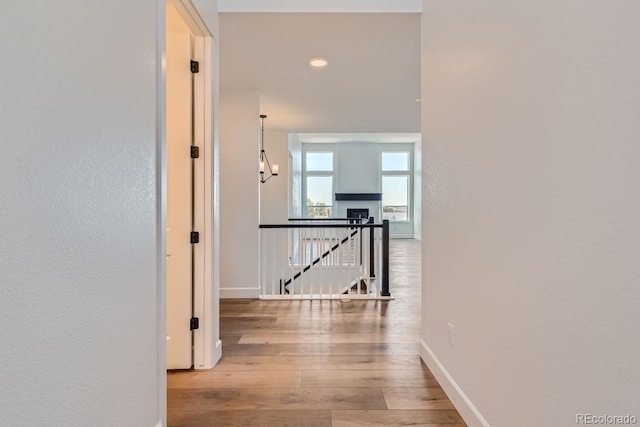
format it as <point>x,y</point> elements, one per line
<point>461,401</point>
<point>216,355</point>
<point>401,236</point>
<point>217,352</point>
<point>239,293</point>
<point>417,237</point>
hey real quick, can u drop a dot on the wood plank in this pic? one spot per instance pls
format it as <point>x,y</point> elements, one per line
<point>275,398</point>
<point>401,349</point>
<point>275,363</point>
<point>292,307</point>
<point>341,327</point>
<point>379,337</point>
<point>416,398</point>
<point>337,349</point>
<point>239,329</point>
<point>389,378</point>
<point>307,363</point>
<point>291,418</point>
<point>301,322</point>
<point>425,417</point>
<point>248,323</point>
<point>234,379</point>
<point>229,339</point>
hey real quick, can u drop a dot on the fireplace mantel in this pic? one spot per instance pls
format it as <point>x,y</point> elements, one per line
<point>359,196</point>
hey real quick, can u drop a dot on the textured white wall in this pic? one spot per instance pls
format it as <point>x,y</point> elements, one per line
<point>274,201</point>
<point>239,195</point>
<point>357,167</point>
<point>80,278</point>
<point>531,231</point>
<point>417,190</point>
<point>295,150</point>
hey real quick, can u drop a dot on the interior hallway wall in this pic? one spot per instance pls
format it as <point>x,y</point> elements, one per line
<point>531,207</point>
<point>274,200</point>
<point>295,191</point>
<point>81,277</point>
<point>239,194</point>
<point>417,190</point>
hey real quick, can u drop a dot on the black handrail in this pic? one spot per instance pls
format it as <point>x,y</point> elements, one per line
<point>384,291</point>
<point>364,225</point>
<point>327,219</point>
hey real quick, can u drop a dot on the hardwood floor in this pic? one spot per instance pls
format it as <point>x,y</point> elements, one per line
<point>319,363</point>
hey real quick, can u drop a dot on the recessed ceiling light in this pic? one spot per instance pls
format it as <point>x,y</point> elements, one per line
<point>418,100</point>
<point>318,62</point>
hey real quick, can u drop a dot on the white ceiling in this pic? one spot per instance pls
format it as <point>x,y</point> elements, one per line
<point>370,85</point>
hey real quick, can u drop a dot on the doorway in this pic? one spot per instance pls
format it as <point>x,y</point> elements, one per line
<point>180,192</point>
<point>192,338</point>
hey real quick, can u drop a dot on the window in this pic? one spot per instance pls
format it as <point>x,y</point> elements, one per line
<point>395,162</point>
<point>319,184</point>
<point>319,162</point>
<point>319,196</point>
<point>395,205</point>
<point>396,189</point>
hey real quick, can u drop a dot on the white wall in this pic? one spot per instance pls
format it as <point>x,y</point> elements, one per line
<point>274,201</point>
<point>81,282</point>
<point>239,194</point>
<point>357,167</point>
<point>295,185</point>
<point>357,171</point>
<point>417,190</point>
<point>212,343</point>
<point>530,221</point>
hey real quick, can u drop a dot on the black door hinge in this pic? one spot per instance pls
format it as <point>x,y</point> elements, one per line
<point>195,323</point>
<point>195,66</point>
<point>195,237</point>
<point>195,152</point>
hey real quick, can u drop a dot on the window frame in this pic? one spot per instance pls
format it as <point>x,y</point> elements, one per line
<point>314,148</point>
<point>408,173</point>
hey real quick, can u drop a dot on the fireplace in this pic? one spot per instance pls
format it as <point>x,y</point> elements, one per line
<point>358,213</point>
<point>354,205</point>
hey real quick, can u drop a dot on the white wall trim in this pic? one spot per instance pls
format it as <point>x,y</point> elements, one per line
<point>239,292</point>
<point>205,295</point>
<point>161,208</point>
<point>191,17</point>
<point>216,355</point>
<point>460,400</point>
<point>325,6</point>
<point>401,236</point>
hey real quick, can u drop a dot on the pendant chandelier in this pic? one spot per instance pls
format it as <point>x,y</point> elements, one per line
<point>267,170</point>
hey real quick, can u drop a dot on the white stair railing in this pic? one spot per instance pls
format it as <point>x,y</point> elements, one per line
<point>324,260</point>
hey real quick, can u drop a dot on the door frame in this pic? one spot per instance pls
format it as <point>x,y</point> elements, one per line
<point>180,166</point>
<point>207,344</point>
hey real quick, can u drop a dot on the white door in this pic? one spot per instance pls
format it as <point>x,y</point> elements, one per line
<point>179,199</point>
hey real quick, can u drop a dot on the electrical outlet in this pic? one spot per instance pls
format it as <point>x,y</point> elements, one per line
<point>452,337</point>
